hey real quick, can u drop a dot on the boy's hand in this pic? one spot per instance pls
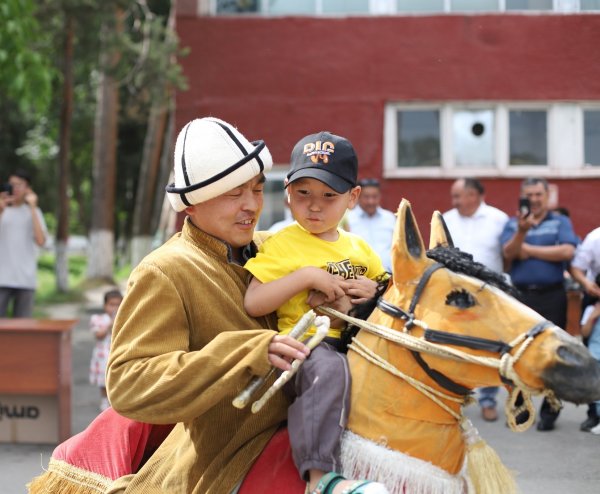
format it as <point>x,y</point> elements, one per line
<point>332,287</point>
<point>361,289</point>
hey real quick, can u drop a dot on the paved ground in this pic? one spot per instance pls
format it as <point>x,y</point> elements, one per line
<point>562,461</point>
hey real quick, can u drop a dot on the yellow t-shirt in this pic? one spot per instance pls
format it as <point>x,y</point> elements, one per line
<point>293,248</point>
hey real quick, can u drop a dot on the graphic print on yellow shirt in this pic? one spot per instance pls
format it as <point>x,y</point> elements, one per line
<point>293,248</point>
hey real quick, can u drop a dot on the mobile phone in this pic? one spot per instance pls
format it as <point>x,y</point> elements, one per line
<point>524,207</point>
<point>7,187</point>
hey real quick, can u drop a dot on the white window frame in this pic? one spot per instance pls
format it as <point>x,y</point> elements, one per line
<point>389,7</point>
<point>565,141</point>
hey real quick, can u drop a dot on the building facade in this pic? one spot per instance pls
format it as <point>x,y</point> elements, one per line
<point>427,91</point>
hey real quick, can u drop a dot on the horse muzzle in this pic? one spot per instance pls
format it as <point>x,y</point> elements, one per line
<point>575,376</point>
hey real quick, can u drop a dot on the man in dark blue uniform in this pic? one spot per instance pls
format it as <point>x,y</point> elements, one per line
<point>538,245</point>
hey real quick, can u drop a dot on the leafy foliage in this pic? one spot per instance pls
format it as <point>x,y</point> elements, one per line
<point>31,37</point>
<point>25,74</point>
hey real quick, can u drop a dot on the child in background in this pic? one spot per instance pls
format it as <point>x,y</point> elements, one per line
<point>101,327</point>
<point>315,254</point>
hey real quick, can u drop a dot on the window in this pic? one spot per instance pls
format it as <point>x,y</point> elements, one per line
<point>273,198</point>
<point>420,6</point>
<point>345,6</point>
<point>528,4</point>
<point>510,139</point>
<point>590,5</point>
<point>591,139</point>
<point>291,7</point>
<point>237,6</point>
<point>471,6</point>
<point>418,138</point>
<point>473,138</point>
<point>528,137</point>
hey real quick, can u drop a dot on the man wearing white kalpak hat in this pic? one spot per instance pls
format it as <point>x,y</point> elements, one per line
<point>183,346</point>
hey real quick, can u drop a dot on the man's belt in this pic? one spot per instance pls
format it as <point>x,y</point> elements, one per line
<point>541,288</point>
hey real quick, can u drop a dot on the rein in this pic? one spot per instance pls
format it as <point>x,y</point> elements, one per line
<point>433,342</point>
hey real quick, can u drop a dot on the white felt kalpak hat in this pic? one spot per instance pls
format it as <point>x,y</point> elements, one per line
<point>211,158</point>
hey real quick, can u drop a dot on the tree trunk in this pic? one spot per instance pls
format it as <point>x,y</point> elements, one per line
<point>66,114</point>
<point>144,211</point>
<point>166,219</point>
<point>101,253</point>
<point>154,170</point>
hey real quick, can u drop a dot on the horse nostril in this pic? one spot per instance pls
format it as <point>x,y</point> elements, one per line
<point>570,356</point>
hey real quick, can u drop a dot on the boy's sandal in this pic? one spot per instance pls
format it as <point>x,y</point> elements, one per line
<point>328,482</point>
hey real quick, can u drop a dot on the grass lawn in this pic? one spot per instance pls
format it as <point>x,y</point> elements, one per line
<point>46,293</point>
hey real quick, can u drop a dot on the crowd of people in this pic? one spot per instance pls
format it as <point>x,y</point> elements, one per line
<point>213,306</point>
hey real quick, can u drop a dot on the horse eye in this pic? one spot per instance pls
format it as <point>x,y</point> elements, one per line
<point>461,299</point>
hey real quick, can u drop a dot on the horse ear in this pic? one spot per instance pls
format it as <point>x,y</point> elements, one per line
<point>408,249</point>
<point>440,235</point>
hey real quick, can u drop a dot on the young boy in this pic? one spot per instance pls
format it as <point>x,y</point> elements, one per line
<point>315,255</point>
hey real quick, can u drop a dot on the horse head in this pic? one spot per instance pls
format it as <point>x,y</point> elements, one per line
<point>458,328</point>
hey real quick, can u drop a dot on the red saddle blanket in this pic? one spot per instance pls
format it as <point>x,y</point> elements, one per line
<point>113,446</point>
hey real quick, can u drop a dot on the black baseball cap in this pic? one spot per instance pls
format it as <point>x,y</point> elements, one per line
<point>326,157</point>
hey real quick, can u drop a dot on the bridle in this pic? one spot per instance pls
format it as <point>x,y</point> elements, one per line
<point>444,337</point>
<point>434,341</point>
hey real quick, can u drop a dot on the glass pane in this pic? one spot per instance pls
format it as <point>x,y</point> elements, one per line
<point>236,6</point>
<point>418,138</point>
<point>273,203</point>
<point>345,6</point>
<point>471,6</point>
<point>591,136</point>
<point>292,7</point>
<point>473,133</point>
<point>527,129</point>
<point>590,5</point>
<point>420,5</point>
<point>528,4</point>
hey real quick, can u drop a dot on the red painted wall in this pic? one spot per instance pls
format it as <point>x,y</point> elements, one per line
<point>279,79</point>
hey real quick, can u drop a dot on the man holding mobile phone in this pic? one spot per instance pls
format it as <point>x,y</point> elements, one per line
<point>22,232</point>
<point>537,246</point>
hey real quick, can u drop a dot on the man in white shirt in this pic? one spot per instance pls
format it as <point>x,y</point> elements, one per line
<point>585,269</point>
<point>22,232</point>
<point>475,228</point>
<point>585,266</point>
<point>373,223</point>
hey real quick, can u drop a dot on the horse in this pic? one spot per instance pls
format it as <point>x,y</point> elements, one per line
<point>444,326</point>
<point>465,332</point>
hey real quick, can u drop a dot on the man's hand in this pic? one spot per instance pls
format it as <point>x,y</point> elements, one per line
<point>283,349</point>
<point>3,201</point>
<point>524,223</point>
<point>524,253</point>
<point>591,288</point>
<point>31,198</point>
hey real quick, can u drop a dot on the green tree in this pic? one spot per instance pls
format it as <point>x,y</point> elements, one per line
<point>25,75</point>
<point>35,132</point>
